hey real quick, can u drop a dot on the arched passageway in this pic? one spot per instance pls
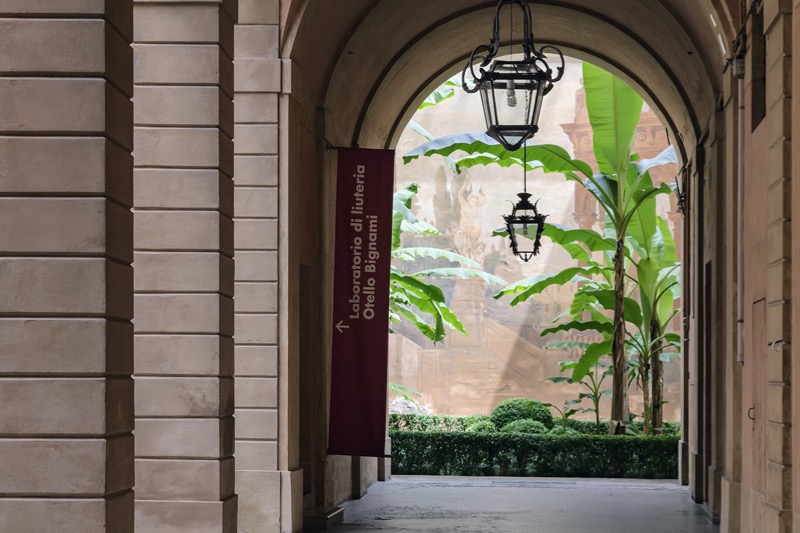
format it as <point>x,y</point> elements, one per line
<point>215,128</point>
<point>366,68</point>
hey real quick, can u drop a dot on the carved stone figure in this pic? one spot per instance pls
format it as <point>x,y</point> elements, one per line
<point>467,238</point>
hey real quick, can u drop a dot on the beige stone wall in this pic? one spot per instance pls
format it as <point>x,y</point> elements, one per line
<point>766,438</point>
<point>183,199</point>
<point>259,477</point>
<point>66,340</point>
<point>788,352</point>
<point>746,476</point>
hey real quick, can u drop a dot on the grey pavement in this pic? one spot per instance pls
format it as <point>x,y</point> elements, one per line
<point>525,505</point>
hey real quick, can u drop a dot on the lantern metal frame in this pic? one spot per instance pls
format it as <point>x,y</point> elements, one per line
<point>525,214</point>
<point>532,75</point>
<point>519,216</point>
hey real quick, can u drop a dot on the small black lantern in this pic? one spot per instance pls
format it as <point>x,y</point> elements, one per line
<point>525,221</point>
<point>512,91</point>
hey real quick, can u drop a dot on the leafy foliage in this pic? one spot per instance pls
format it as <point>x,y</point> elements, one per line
<point>484,426</point>
<point>590,428</point>
<point>418,422</point>
<point>549,157</point>
<point>476,418</point>
<point>592,381</point>
<point>433,422</point>
<point>513,409</point>
<point>404,391</point>
<point>564,430</point>
<point>525,426</point>
<point>637,250</point>
<point>411,298</point>
<point>444,92</point>
<point>514,454</point>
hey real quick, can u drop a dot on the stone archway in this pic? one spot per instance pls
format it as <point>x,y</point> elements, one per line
<point>356,74</point>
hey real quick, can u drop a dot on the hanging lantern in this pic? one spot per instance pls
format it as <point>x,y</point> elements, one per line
<point>512,91</point>
<point>525,221</point>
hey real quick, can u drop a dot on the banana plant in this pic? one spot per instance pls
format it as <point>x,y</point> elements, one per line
<point>411,297</point>
<point>442,93</point>
<point>649,307</point>
<point>406,392</point>
<point>592,381</point>
<point>621,187</point>
<point>658,286</point>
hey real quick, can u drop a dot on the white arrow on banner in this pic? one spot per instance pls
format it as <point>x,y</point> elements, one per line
<point>341,326</point>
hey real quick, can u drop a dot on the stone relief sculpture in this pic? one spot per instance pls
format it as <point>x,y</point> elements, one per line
<point>467,238</point>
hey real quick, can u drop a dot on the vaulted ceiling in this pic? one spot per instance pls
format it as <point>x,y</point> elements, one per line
<point>369,63</point>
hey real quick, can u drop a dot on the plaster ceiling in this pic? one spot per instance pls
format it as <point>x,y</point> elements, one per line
<point>369,63</point>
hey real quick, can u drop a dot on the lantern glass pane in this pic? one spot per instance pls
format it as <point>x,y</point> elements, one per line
<point>525,234</point>
<point>487,99</point>
<point>511,103</point>
<point>511,97</point>
<point>536,98</point>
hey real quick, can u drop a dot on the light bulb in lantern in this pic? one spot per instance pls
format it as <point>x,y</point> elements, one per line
<point>511,93</point>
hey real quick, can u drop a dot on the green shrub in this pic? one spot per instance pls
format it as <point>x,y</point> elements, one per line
<point>474,419</point>
<point>588,427</point>
<point>513,409</point>
<point>671,428</point>
<point>484,426</point>
<point>413,422</point>
<point>514,454</point>
<point>524,426</point>
<point>561,430</point>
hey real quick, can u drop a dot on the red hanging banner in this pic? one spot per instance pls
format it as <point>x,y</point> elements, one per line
<point>364,188</point>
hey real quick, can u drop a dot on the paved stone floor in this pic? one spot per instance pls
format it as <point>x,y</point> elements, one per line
<point>525,505</point>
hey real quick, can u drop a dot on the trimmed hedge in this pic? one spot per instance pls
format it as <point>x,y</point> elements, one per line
<point>526,425</point>
<point>506,454</point>
<point>414,422</point>
<point>484,426</point>
<point>561,430</point>
<point>590,428</point>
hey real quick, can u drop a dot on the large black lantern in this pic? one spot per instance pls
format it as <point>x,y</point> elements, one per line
<point>512,91</point>
<point>525,221</point>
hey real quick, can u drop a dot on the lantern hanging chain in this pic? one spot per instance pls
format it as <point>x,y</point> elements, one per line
<point>482,56</point>
<point>511,33</point>
<point>525,168</point>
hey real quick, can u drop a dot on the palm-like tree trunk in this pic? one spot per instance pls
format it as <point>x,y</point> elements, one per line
<point>619,360</point>
<point>644,379</point>
<point>657,369</point>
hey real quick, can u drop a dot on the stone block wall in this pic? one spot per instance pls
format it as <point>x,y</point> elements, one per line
<point>257,112</point>
<point>66,339</point>
<point>183,200</point>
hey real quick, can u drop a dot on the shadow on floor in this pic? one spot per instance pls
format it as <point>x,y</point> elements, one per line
<point>525,505</point>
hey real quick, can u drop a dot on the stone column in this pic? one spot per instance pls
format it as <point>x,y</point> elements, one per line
<point>777,506</point>
<point>258,84</point>
<point>66,340</point>
<point>183,199</point>
<point>794,210</point>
